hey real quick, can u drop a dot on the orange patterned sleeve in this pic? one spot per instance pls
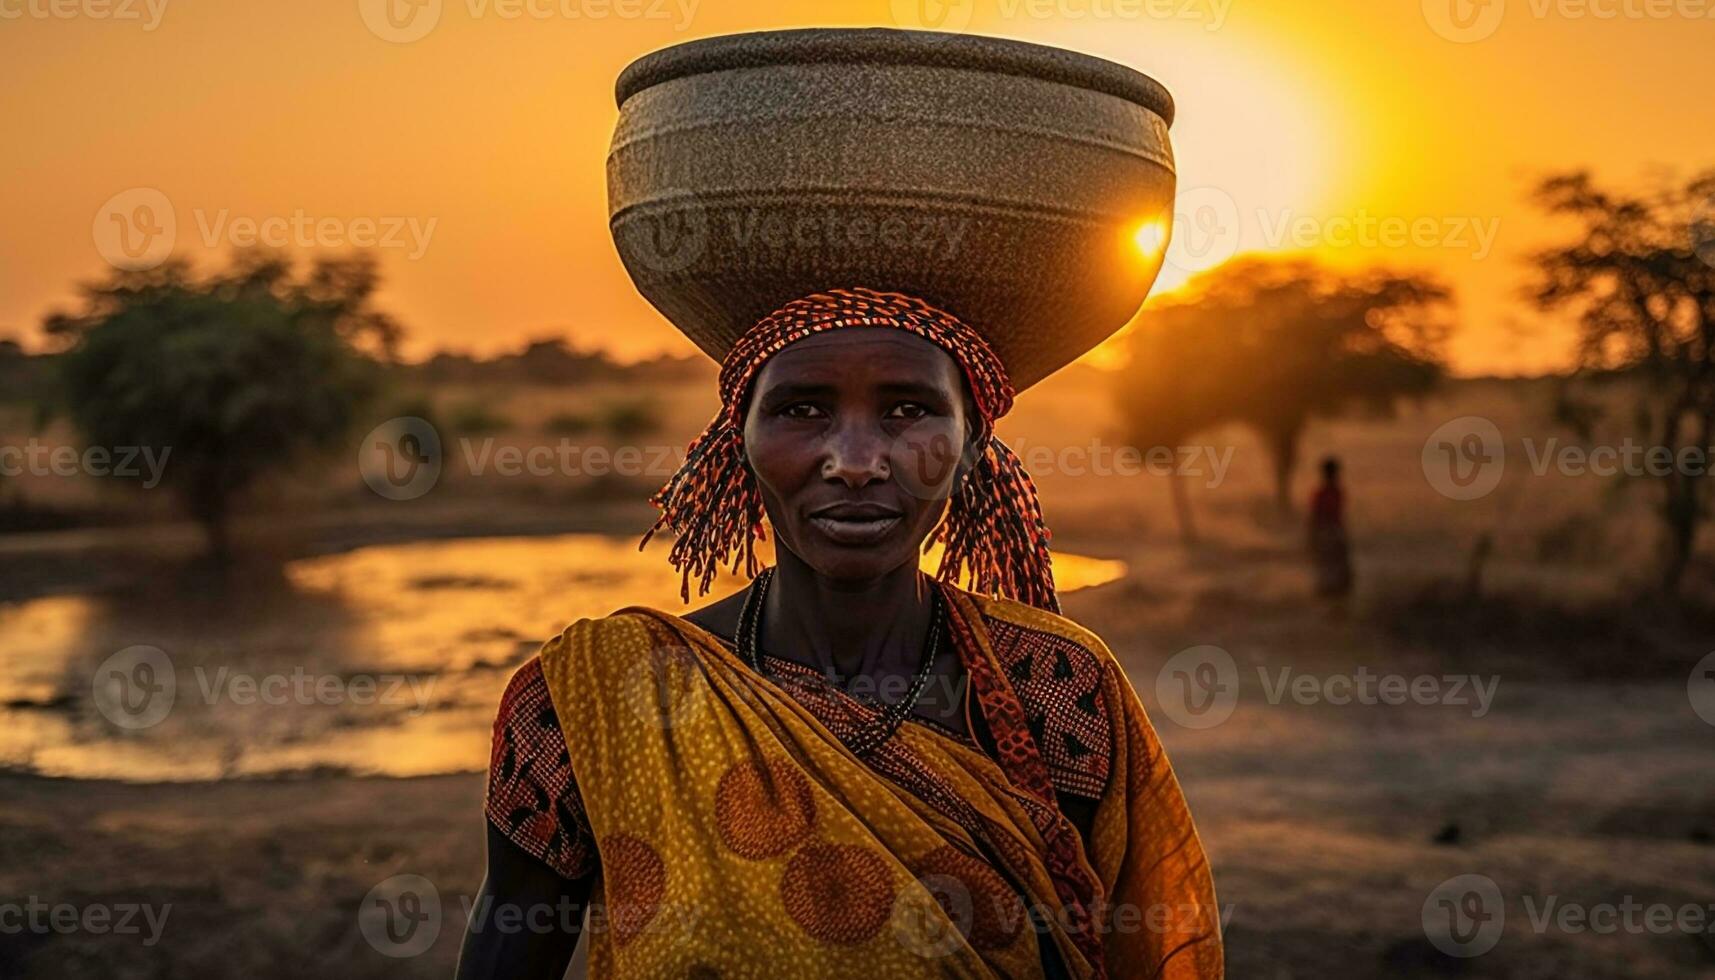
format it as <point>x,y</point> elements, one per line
<point>532,798</point>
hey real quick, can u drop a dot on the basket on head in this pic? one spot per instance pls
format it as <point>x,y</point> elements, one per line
<point>1002,181</point>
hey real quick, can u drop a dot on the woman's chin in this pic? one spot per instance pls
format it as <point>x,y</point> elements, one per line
<point>856,567</point>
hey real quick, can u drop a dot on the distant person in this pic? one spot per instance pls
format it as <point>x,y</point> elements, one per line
<point>1329,549</point>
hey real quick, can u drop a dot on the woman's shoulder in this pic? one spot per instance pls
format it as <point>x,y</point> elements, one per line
<point>612,633</point>
<point>1059,671</point>
<point>1023,617</point>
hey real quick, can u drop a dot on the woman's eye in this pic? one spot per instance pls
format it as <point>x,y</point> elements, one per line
<point>801,410</point>
<point>909,410</point>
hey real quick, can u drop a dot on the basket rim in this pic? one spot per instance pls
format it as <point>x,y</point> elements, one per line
<point>893,46</point>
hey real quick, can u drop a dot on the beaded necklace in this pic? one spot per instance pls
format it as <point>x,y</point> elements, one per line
<point>882,727</point>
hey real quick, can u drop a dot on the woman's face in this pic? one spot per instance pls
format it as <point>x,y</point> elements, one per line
<point>856,438</point>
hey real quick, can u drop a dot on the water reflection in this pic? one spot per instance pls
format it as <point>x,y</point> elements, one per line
<point>386,660</point>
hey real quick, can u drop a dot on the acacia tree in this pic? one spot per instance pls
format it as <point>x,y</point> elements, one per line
<point>1161,403</point>
<point>1274,344</point>
<point>1640,276</point>
<point>233,375</point>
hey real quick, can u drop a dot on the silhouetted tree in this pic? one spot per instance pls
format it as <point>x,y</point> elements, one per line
<point>234,375</point>
<point>1273,344</point>
<point>1640,275</point>
<point>1163,405</point>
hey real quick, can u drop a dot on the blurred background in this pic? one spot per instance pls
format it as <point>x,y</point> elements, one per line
<point>324,399</point>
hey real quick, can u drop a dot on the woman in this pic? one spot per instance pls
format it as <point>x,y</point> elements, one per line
<point>848,768</point>
<point>1329,551</point>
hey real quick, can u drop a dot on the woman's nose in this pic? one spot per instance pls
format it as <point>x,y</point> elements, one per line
<point>856,455</point>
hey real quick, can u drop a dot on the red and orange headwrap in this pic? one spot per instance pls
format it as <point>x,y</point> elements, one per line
<point>993,530</point>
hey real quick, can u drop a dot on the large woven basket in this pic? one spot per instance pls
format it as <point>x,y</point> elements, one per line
<point>1005,182</point>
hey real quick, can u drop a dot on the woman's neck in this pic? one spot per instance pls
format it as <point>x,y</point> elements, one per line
<point>875,628</point>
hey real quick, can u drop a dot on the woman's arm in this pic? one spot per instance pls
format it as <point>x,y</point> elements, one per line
<point>526,919</point>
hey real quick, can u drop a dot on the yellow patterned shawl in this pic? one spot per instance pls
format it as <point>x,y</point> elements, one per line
<point>739,837</point>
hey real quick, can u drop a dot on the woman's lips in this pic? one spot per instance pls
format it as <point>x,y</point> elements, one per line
<point>856,531</point>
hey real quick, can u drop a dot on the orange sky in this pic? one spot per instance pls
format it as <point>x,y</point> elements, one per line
<point>1350,128</point>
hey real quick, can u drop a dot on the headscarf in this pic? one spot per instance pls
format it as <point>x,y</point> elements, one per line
<point>993,529</point>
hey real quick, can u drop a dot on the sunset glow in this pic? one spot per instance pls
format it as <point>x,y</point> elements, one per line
<point>1354,131</point>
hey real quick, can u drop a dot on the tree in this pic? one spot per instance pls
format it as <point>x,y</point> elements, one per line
<point>232,376</point>
<point>1640,277</point>
<point>1272,344</point>
<point>1161,403</point>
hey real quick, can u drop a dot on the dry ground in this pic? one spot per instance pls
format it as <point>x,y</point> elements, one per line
<point>1587,781</point>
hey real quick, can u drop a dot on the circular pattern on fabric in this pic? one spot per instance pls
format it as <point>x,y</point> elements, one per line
<point>763,809</point>
<point>635,878</point>
<point>840,894</point>
<point>991,913</point>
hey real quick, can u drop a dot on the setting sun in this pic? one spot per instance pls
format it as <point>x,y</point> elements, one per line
<point>1151,238</point>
